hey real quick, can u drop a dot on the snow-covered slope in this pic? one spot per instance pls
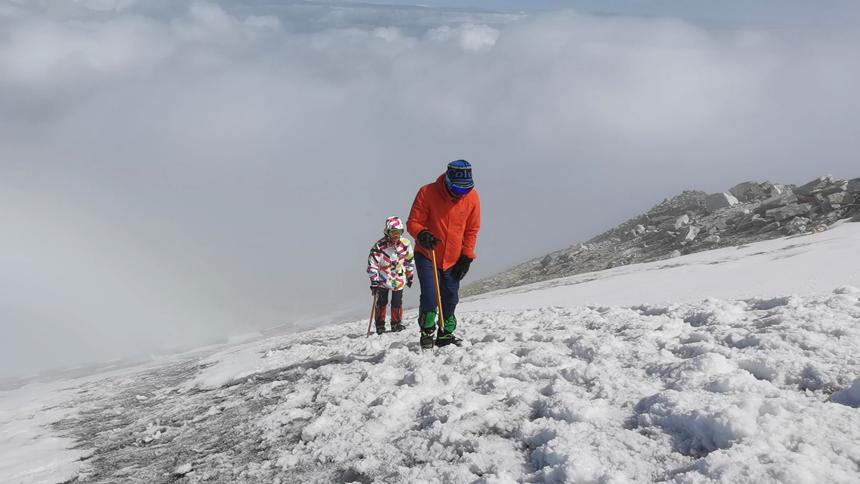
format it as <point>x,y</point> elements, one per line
<point>736,365</point>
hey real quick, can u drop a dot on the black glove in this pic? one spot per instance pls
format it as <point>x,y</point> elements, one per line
<point>427,239</point>
<point>409,283</point>
<point>461,267</point>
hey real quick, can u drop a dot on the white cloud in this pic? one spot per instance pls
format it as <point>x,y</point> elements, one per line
<point>106,5</point>
<point>478,37</point>
<point>52,52</point>
<point>470,37</point>
<point>236,161</point>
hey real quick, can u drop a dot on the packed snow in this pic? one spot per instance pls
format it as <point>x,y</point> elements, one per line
<point>736,365</point>
<point>30,450</point>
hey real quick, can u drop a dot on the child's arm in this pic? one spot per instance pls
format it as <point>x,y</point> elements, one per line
<point>373,261</point>
<point>410,262</point>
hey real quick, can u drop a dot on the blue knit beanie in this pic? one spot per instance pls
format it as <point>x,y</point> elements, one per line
<point>458,178</point>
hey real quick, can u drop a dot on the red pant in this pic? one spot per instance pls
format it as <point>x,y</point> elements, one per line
<point>396,306</point>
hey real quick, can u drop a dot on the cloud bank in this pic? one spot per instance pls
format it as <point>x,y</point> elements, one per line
<point>173,173</point>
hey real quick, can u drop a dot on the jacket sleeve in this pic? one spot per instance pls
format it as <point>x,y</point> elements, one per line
<point>410,262</point>
<point>418,215</point>
<point>373,265</point>
<point>473,226</point>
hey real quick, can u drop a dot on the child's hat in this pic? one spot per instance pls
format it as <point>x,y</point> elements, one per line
<point>393,223</point>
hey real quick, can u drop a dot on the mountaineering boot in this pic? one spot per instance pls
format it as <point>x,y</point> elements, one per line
<point>396,318</point>
<point>380,319</point>
<point>445,339</point>
<point>427,322</point>
<point>426,340</point>
<point>446,336</point>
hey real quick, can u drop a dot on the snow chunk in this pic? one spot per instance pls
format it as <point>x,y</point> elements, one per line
<point>714,311</point>
<point>29,450</point>
<point>236,364</point>
<point>847,290</point>
<point>699,424</point>
<point>183,469</point>
<point>849,396</point>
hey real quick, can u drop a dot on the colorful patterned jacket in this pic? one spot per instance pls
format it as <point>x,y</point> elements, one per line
<point>391,264</point>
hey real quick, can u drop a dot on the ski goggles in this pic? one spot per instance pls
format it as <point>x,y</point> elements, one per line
<point>395,232</point>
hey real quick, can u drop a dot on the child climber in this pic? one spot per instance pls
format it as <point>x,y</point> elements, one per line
<point>391,267</point>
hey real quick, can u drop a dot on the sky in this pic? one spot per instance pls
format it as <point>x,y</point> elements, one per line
<point>172,173</point>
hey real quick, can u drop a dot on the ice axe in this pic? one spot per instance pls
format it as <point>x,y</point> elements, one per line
<point>438,292</point>
<point>372,313</point>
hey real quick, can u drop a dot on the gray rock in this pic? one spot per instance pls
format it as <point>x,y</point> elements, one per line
<point>639,230</point>
<point>717,201</point>
<point>836,187</point>
<point>775,189</point>
<point>682,221</point>
<point>832,217</point>
<point>718,225</point>
<point>789,211</point>
<point>712,239</point>
<point>814,186</point>
<point>631,252</point>
<point>777,201</point>
<point>839,198</point>
<point>853,186</point>
<point>740,190</point>
<point>797,225</point>
<point>673,254</point>
<point>688,234</point>
<point>769,227</point>
<point>751,222</point>
<point>749,191</point>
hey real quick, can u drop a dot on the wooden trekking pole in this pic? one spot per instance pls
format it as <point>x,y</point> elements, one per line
<point>438,292</point>
<point>372,313</point>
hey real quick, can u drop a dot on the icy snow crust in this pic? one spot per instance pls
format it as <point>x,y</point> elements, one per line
<point>754,389</point>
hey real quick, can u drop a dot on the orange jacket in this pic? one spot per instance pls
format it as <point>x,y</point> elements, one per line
<point>455,221</point>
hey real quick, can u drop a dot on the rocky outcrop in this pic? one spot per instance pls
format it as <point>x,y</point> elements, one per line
<point>694,221</point>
